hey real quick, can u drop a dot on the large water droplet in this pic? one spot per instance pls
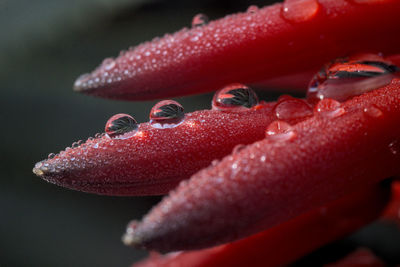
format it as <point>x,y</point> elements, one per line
<point>344,78</point>
<point>280,131</point>
<point>290,108</point>
<point>234,96</point>
<point>121,126</point>
<point>373,111</point>
<point>299,10</point>
<point>199,20</point>
<point>329,108</point>
<point>166,114</point>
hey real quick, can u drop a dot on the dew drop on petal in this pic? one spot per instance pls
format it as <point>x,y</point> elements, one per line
<point>280,131</point>
<point>329,108</point>
<point>238,148</point>
<point>373,111</point>
<point>199,20</point>
<point>290,108</point>
<point>214,162</point>
<point>121,126</point>
<point>76,144</point>
<point>299,10</point>
<point>348,77</point>
<point>166,114</point>
<point>252,9</point>
<point>108,63</point>
<point>98,135</point>
<point>234,96</point>
<point>82,80</point>
<point>394,147</point>
<point>51,156</point>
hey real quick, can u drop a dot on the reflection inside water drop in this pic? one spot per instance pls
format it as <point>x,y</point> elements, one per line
<point>166,114</point>
<point>234,96</point>
<point>347,77</point>
<point>121,126</point>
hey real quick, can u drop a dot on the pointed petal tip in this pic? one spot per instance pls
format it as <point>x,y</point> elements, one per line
<point>130,238</point>
<point>81,83</point>
<point>40,169</point>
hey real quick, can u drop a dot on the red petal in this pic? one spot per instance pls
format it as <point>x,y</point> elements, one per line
<point>270,182</point>
<point>155,160</point>
<point>362,257</point>
<point>276,41</point>
<point>288,241</point>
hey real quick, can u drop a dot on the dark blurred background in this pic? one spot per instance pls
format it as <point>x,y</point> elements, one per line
<point>44,46</point>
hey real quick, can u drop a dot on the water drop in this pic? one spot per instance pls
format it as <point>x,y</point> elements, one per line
<point>121,126</point>
<point>252,9</point>
<point>347,77</point>
<point>373,111</point>
<point>234,96</point>
<point>166,114</point>
<point>394,147</point>
<point>108,63</point>
<point>299,10</point>
<point>99,135</point>
<point>290,108</point>
<point>51,156</point>
<point>329,108</point>
<point>199,20</point>
<point>76,144</point>
<point>82,80</point>
<point>280,131</point>
<point>238,148</point>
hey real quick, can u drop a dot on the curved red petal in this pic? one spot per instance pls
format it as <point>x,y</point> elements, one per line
<point>272,181</point>
<point>285,243</point>
<point>283,40</point>
<point>362,257</point>
<point>153,161</point>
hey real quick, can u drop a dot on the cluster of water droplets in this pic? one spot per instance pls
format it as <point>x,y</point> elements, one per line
<point>335,82</point>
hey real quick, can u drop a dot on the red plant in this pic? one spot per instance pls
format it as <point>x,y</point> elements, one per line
<point>315,152</point>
